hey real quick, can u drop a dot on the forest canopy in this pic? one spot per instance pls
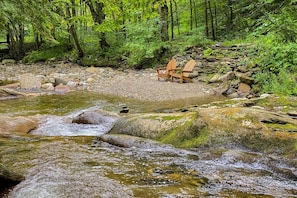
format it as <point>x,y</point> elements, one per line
<point>142,32</point>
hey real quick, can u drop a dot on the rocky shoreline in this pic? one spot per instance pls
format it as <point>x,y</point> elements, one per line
<point>213,74</point>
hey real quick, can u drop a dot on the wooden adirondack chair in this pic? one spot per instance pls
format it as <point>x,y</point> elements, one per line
<point>183,74</point>
<point>166,72</point>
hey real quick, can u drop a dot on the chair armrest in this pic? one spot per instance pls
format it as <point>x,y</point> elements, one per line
<point>162,68</point>
<point>176,69</point>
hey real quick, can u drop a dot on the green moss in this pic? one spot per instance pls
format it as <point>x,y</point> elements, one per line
<point>6,82</point>
<point>282,127</point>
<point>272,144</point>
<point>197,141</point>
<point>188,135</point>
<point>164,118</point>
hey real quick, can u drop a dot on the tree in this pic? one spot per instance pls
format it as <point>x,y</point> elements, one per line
<point>96,9</point>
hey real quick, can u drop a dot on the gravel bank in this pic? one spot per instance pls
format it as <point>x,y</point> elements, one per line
<point>142,84</point>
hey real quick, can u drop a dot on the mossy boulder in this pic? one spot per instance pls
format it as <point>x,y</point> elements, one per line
<point>229,127</point>
<point>151,125</point>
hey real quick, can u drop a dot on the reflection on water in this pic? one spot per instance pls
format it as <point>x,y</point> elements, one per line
<point>72,167</point>
<point>77,101</point>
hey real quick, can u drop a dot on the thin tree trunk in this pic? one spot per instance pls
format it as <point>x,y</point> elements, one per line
<point>206,17</point>
<point>212,22</point>
<point>98,17</point>
<point>164,22</point>
<point>172,20</point>
<point>177,18</point>
<point>72,30</point>
<point>195,14</point>
<point>191,15</point>
<point>230,4</point>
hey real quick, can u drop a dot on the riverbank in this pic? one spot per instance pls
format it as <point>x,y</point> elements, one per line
<point>130,83</point>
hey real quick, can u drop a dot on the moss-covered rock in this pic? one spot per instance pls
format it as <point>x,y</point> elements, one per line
<point>250,128</point>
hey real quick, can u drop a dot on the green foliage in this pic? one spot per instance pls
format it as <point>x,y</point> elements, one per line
<point>59,52</point>
<point>283,82</point>
<point>277,64</point>
<point>143,42</point>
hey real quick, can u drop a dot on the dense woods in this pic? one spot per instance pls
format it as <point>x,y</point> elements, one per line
<point>140,33</point>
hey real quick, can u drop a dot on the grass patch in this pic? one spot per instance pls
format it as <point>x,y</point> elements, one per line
<point>6,82</point>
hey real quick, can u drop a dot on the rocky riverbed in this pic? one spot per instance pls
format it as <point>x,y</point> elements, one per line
<point>64,77</point>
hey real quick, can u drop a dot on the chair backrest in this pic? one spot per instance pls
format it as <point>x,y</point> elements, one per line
<point>189,67</point>
<point>171,65</point>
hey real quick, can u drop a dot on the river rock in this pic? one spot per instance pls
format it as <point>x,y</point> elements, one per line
<point>93,117</point>
<point>16,124</point>
<point>59,81</point>
<point>246,79</point>
<point>150,125</point>
<point>221,78</point>
<point>29,81</point>
<point>8,176</point>
<point>8,61</point>
<point>243,89</point>
<point>62,89</point>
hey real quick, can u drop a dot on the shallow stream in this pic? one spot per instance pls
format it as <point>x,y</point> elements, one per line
<point>61,159</point>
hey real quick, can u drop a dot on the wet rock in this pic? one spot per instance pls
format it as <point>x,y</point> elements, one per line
<point>93,117</point>
<point>124,110</point>
<point>6,93</point>
<point>7,175</point>
<point>128,141</point>
<point>62,89</point>
<point>150,125</point>
<point>48,86</point>
<point>29,81</point>
<point>16,124</point>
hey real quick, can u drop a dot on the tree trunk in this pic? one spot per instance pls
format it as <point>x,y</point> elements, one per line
<point>98,17</point>
<point>72,30</point>
<point>164,22</point>
<point>191,15</point>
<point>172,20</point>
<point>195,14</point>
<point>177,19</point>
<point>206,18</point>
<point>212,22</point>
<point>230,4</point>
<point>15,39</point>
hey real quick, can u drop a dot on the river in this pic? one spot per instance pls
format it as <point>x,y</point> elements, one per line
<point>64,159</point>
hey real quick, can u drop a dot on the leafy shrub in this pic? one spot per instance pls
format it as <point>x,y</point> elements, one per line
<point>48,52</point>
<point>143,42</point>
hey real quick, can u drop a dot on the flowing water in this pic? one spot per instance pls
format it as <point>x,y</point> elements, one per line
<point>63,159</point>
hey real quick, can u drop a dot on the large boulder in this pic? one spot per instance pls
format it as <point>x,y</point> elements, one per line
<point>152,125</point>
<point>252,128</point>
<point>29,81</point>
<point>16,124</point>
